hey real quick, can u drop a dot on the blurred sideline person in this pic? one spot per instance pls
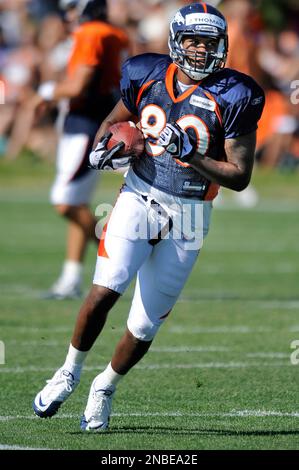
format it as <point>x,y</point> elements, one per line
<point>239,15</point>
<point>92,80</point>
<point>192,111</point>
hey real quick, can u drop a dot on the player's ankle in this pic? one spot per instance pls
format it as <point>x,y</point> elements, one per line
<point>74,361</point>
<point>71,272</point>
<point>75,370</point>
<point>108,377</point>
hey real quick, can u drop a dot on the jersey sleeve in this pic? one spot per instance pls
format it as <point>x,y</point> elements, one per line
<point>243,109</point>
<point>129,86</point>
<point>137,72</point>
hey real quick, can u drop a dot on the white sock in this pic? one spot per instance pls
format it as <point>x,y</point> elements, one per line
<point>74,360</point>
<point>71,271</point>
<point>108,377</point>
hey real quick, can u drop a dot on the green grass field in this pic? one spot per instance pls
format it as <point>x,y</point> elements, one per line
<point>219,374</point>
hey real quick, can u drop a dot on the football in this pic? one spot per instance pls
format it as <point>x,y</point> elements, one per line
<point>128,133</point>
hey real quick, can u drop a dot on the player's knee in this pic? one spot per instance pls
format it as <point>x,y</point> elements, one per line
<point>145,331</point>
<point>101,299</point>
<point>65,210</point>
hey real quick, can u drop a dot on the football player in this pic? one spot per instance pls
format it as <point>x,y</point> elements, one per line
<point>199,119</point>
<point>91,84</point>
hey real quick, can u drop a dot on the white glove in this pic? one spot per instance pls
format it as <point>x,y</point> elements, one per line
<point>177,142</point>
<point>103,159</point>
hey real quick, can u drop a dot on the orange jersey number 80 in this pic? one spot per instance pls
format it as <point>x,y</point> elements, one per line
<point>153,120</point>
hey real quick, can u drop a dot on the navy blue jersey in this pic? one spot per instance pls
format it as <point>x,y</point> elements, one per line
<point>225,105</point>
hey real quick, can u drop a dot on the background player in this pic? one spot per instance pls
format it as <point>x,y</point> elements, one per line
<point>200,120</point>
<point>91,87</point>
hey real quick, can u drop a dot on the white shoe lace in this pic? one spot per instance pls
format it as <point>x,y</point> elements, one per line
<point>65,382</point>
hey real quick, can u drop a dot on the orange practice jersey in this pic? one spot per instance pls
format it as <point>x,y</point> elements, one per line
<point>100,45</point>
<point>275,108</point>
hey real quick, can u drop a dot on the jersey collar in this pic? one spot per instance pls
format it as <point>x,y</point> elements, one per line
<point>169,82</point>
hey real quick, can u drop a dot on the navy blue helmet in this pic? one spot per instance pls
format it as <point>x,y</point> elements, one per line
<point>198,19</point>
<point>87,9</point>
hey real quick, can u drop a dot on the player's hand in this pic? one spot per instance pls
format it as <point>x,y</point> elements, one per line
<point>177,142</point>
<point>103,159</point>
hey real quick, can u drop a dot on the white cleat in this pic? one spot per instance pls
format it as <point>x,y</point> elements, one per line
<point>247,198</point>
<point>58,389</point>
<point>63,291</point>
<point>98,409</point>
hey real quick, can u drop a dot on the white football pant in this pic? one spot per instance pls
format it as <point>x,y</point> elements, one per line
<point>162,269</point>
<point>74,183</point>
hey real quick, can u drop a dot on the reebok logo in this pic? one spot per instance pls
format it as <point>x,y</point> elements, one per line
<point>256,101</point>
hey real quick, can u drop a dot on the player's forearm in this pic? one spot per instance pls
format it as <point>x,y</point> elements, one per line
<point>226,174</point>
<point>118,114</point>
<point>53,91</point>
<point>235,172</point>
<point>67,90</point>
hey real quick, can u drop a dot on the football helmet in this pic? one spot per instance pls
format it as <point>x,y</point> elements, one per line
<point>203,20</point>
<point>88,10</point>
